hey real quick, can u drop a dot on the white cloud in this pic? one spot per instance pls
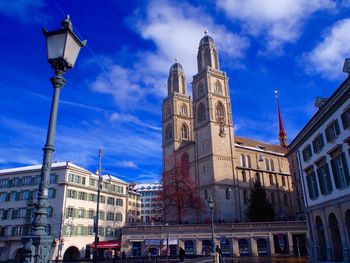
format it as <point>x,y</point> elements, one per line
<point>328,56</point>
<point>118,117</point>
<point>175,31</point>
<point>126,164</point>
<point>277,21</point>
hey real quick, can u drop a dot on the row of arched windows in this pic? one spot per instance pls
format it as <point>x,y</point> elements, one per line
<point>246,161</point>
<point>217,89</point>
<point>270,166</point>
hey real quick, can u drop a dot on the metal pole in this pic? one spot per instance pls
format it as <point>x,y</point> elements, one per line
<point>212,232</point>
<point>37,246</point>
<point>95,255</point>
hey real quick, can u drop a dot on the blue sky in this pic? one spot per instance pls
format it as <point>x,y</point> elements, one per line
<point>113,95</point>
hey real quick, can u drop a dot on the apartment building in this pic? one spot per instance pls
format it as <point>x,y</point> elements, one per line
<point>151,206</point>
<point>72,200</point>
<point>322,150</point>
<point>134,205</point>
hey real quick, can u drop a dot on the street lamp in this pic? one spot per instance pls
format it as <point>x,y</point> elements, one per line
<point>63,47</point>
<point>211,207</point>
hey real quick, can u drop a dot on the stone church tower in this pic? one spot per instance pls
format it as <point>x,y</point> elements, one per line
<point>201,128</point>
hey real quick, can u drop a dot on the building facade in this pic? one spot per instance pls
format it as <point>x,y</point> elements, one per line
<point>321,154</point>
<point>72,198</point>
<point>199,128</point>
<point>151,205</point>
<point>134,205</point>
<point>236,239</point>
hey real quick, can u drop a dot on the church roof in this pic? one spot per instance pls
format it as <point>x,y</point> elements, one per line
<point>176,67</point>
<point>260,145</point>
<point>206,40</point>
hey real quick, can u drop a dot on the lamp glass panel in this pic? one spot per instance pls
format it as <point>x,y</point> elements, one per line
<point>72,49</point>
<point>55,45</point>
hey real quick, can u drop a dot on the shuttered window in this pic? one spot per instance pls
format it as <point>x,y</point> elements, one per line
<point>318,143</point>
<point>345,118</point>
<point>332,131</point>
<point>340,171</point>
<point>312,185</point>
<point>324,179</point>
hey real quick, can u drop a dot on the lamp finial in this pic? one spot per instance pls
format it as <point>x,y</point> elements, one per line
<point>67,23</point>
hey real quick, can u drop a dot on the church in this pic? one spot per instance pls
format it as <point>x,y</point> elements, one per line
<point>222,165</point>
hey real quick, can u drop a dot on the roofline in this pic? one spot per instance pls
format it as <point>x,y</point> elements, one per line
<point>331,105</point>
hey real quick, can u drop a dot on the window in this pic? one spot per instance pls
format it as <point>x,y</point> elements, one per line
<point>53,179</point>
<point>283,180</point>
<point>271,179</point>
<point>184,132</point>
<point>110,216</point>
<point>267,164</point>
<point>79,230</point>
<point>332,131</point>
<point>201,112</point>
<point>168,111</point>
<point>272,198</point>
<point>184,110</point>
<point>324,179</point>
<point>307,153</point>
<point>318,143</point>
<point>27,180</point>
<point>340,171</point>
<point>218,88</point>
<point>51,193</point>
<point>249,161</point>
<point>345,118</point>
<point>109,231</point>
<point>244,176</point>
<point>220,112</point>
<point>257,178</point>
<point>272,165</point>
<point>200,90</point>
<point>3,197</point>
<point>119,202</point>
<point>93,182</point>
<point>102,199</point>
<point>90,231</point>
<point>168,132</point>
<point>118,217</point>
<point>25,195</point>
<point>92,197</point>
<point>70,211</point>
<point>81,213</point>
<point>71,193</point>
<point>91,214</point>
<point>227,192</point>
<point>243,161</point>
<point>110,200</point>
<point>82,196</point>
<point>312,184</point>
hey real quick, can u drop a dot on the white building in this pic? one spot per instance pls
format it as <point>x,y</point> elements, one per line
<point>134,205</point>
<point>72,199</point>
<point>322,151</point>
<point>151,207</point>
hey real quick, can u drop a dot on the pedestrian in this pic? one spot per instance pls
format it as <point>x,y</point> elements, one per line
<point>123,255</point>
<point>182,254</point>
<point>219,251</point>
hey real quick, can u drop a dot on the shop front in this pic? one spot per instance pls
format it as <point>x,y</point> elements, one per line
<point>106,249</point>
<point>153,247</point>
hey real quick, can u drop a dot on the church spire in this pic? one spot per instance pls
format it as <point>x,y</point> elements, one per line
<point>282,135</point>
<point>207,54</point>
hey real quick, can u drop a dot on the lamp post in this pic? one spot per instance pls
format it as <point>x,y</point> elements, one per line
<point>211,206</point>
<point>99,187</point>
<point>63,47</point>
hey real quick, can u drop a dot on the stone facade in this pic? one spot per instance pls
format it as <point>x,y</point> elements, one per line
<point>222,165</point>
<point>320,154</point>
<point>72,200</point>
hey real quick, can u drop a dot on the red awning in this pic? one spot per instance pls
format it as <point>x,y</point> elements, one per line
<point>106,244</point>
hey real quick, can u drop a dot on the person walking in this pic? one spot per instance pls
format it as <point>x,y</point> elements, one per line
<point>182,254</point>
<point>219,251</point>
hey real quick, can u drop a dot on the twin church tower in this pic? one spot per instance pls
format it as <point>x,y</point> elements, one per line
<point>201,130</point>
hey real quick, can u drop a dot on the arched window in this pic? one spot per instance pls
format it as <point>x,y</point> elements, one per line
<point>271,179</point>
<point>243,161</point>
<point>168,111</point>
<point>227,192</point>
<point>168,132</point>
<point>184,110</point>
<point>201,112</point>
<point>184,132</point>
<point>218,88</point>
<point>249,161</point>
<point>272,198</point>
<point>283,181</point>
<point>267,164</point>
<point>272,165</point>
<point>244,176</point>
<point>200,90</point>
<point>285,197</point>
<point>220,112</point>
<point>257,178</point>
